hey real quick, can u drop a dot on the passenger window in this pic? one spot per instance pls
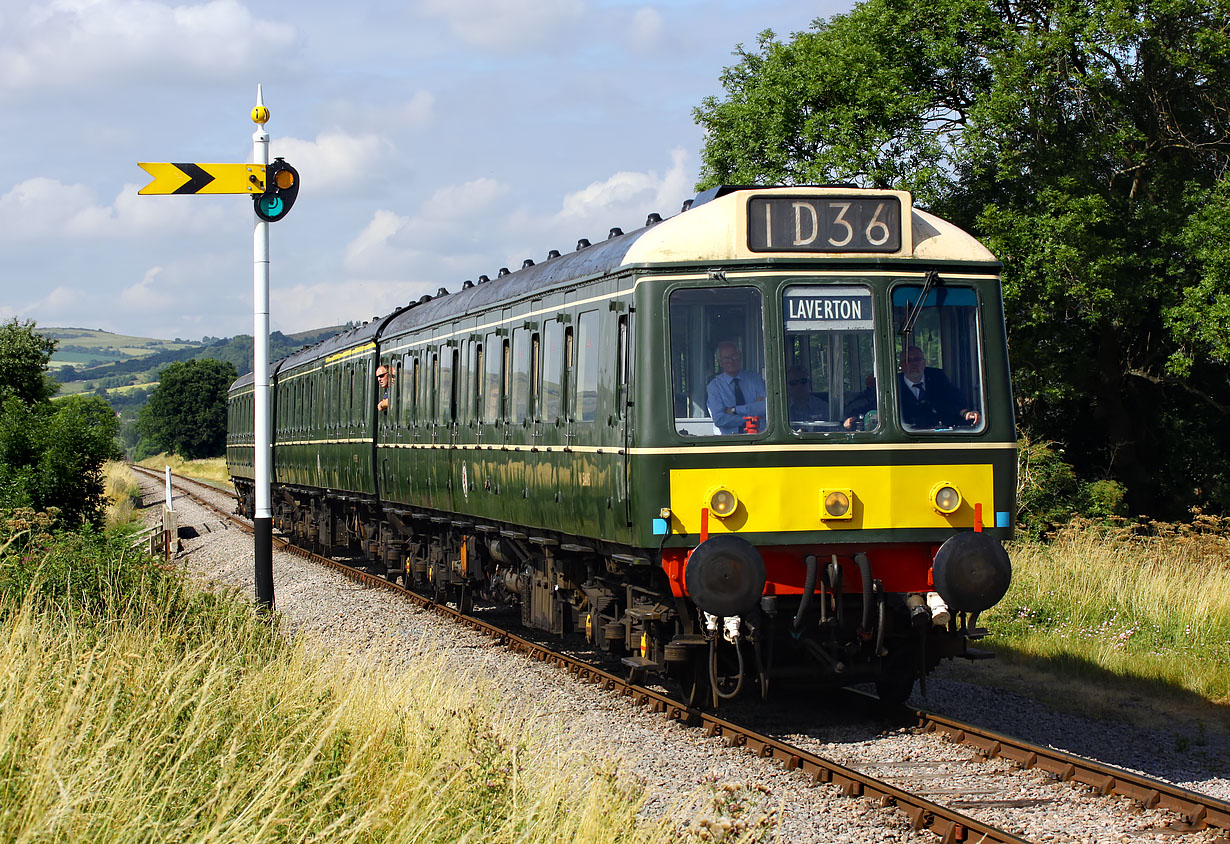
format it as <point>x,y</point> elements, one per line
<point>491,379</point>
<point>587,344</point>
<point>552,372</point>
<point>520,393</point>
<point>717,361</point>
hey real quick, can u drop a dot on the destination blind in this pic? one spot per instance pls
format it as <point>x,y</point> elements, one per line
<point>828,309</point>
<point>824,224</point>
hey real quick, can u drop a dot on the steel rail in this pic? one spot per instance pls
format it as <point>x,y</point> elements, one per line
<point>1199,811</point>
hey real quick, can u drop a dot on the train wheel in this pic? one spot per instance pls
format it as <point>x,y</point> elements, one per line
<point>894,691</point>
<point>465,599</point>
<point>696,681</point>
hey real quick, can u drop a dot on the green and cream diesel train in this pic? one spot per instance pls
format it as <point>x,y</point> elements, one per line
<point>769,440</point>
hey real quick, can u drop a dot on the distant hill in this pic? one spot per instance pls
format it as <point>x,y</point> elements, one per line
<point>87,360</point>
<point>85,347</point>
<point>124,370</point>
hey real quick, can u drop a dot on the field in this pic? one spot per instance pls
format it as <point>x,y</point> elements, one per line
<point>1105,615</point>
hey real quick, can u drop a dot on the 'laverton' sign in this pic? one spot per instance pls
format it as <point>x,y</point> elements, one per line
<point>827,309</point>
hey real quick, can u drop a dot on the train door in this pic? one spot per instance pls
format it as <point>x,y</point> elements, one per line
<point>623,385</point>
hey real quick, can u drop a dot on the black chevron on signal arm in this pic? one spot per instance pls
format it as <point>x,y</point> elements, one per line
<point>197,178</point>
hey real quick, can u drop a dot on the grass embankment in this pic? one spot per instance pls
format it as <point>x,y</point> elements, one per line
<point>1124,604</point>
<point>211,470</point>
<point>139,709</point>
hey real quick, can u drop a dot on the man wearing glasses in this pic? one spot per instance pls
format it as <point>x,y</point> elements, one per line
<point>735,397</point>
<point>382,379</point>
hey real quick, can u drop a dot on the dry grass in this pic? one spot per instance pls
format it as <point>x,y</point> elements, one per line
<point>141,732</point>
<point>123,494</point>
<point>1141,601</point>
<point>211,470</point>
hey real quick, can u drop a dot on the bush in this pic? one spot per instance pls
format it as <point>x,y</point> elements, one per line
<point>51,456</point>
<point>1050,494</point>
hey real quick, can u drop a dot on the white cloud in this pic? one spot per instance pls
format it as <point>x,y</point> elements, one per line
<point>390,244</point>
<point>315,305</point>
<point>624,199</point>
<point>40,207</point>
<point>646,29</point>
<point>93,42</point>
<point>506,25</point>
<point>336,162</point>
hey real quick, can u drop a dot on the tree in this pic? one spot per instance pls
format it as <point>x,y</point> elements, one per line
<point>1088,144</point>
<point>51,454</point>
<point>24,356</point>
<point>186,412</point>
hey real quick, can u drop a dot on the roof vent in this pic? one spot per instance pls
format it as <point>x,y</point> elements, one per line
<point>615,232</point>
<point>443,291</point>
<point>554,253</point>
<point>687,203</point>
<point>467,284</point>
<point>503,272</point>
<point>482,279</point>
<point>655,217</point>
<point>528,262</point>
<point>583,243</point>
<point>424,298</point>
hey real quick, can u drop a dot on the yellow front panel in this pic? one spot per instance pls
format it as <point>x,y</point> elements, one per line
<point>787,498</point>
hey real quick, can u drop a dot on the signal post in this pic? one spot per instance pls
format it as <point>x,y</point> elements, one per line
<point>273,188</point>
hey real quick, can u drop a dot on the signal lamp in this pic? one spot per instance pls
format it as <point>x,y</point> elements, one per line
<point>837,503</point>
<point>946,498</point>
<point>722,502</point>
<point>281,188</point>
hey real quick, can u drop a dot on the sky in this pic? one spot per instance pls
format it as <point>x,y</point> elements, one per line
<point>436,140</point>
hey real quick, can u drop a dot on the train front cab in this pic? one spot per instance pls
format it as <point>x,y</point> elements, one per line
<point>839,529</point>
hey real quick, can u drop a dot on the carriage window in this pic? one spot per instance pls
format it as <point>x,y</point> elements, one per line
<point>717,361</point>
<point>830,359</point>
<point>939,355</point>
<point>520,395</point>
<point>491,378</point>
<point>552,368</point>
<point>586,404</point>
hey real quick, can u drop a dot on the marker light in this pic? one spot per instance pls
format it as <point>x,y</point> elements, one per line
<point>722,502</point>
<point>837,503</point>
<point>945,498</point>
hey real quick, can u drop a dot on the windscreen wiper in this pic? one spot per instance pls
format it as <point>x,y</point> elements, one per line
<point>929,281</point>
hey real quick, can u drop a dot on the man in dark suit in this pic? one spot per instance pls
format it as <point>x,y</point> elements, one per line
<point>928,398</point>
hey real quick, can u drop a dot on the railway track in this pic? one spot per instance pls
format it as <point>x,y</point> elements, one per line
<point>902,785</point>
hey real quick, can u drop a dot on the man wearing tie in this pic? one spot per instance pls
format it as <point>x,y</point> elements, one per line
<point>928,398</point>
<point>734,394</point>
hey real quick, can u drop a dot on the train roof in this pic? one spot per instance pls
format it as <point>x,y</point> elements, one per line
<point>712,228</point>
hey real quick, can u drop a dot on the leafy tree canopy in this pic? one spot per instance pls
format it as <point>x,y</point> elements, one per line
<point>186,412</point>
<point>1088,144</point>
<point>23,362</point>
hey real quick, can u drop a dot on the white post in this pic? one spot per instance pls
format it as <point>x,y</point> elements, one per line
<point>263,515</point>
<point>170,506</point>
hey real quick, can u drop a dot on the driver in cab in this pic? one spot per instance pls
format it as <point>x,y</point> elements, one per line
<point>734,395</point>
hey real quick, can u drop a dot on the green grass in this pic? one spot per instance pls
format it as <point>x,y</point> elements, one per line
<point>1144,604</point>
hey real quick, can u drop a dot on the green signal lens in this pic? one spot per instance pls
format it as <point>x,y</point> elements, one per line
<point>271,206</point>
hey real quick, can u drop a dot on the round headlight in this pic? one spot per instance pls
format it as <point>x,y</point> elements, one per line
<point>722,502</point>
<point>837,504</point>
<point>946,498</point>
